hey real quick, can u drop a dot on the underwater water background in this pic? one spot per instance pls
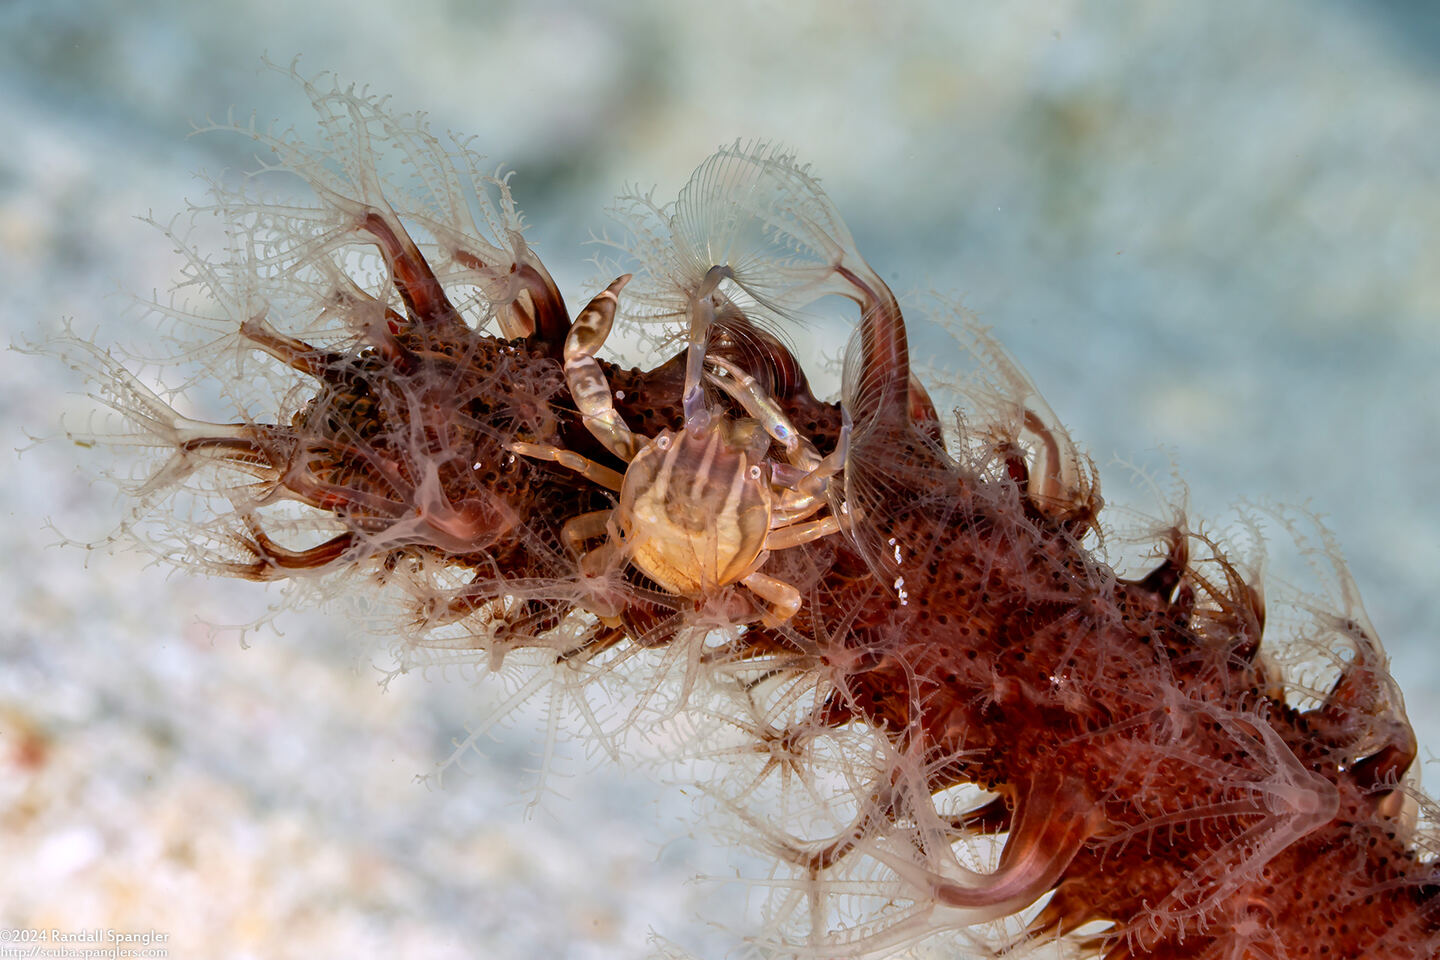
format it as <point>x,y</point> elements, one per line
<point>1210,233</point>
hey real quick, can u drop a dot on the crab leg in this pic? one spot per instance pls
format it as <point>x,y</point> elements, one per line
<point>809,474</point>
<point>587,382</point>
<point>595,563</point>
<point>795,534</point>
<point>747,392</point>
<point>587,526</point>
<point>702,318</point>
<point>783,598</point>
<point>587,468</point>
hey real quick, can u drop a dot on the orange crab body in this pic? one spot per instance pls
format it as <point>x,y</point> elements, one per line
<point>695,510</point>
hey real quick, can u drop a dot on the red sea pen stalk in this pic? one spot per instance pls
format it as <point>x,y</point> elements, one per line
<point>1130,750</point>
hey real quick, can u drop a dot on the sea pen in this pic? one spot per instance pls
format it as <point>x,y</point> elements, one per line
<point>963,709</point>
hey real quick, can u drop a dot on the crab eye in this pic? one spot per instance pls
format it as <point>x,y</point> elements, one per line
<point>662,442</point>
<point>755,472</point>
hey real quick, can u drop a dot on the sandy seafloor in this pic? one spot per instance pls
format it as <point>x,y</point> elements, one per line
<point>1210,232</point>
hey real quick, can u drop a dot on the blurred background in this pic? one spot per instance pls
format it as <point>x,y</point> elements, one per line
<point>1209,232</point>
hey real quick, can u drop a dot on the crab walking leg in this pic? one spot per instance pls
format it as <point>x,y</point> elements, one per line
<point>809,490</point>
<point>587,526</point>
<point>794,505</point>
<point>594,563</point>
<point>782,597</point>
<point>795,534</point>
<point>587,381</point>
<point>807,473</point>
<point>747,392</point>
<point>814,483</point>
<point>702,318</point>
<point>587,468</point>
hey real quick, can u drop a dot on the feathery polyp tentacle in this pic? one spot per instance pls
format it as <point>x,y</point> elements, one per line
<point>418,286</point>
<point>755,212</point>
<point>1054,820</point>
<point>191,442</point>
<point>884,358</point>
<point>752,224</point>
<point>294,353</point>
<point>527,301</point>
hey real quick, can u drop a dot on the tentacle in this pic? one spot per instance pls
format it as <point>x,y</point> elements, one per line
<point>417,284</point>
<point>884,359</point>
<point>922,412</point>
<point>528,303</point>
<point>1271,796</point>
<point>1162,581</point>
<point>1366,713</point>
<point>1053,821</point>
<point>317,363</point>
<point>378,323</point>
<point>1072,907</point>
<point>755,213</point>
<point>272,561</point>
<point>815,861</point>
<point>994,816</point>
